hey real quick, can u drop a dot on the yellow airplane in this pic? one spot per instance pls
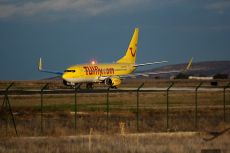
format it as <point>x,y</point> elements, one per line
<point>109,74</point>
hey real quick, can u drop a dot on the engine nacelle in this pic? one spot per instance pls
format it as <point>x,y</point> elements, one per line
<point>113,82</point>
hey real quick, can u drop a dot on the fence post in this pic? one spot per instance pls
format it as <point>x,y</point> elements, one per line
<point>137,115</point>
<point>43,88</point>
<point>107,109</point>
<point>167,96</point>
<point>196,99</point>
<point>75,106</point>
<point>227,86</point>
<point>6,103</point>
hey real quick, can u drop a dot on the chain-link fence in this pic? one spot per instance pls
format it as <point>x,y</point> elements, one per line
<point>47,111</point>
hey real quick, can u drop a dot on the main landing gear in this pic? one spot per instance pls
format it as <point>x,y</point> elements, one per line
<point>76,85</point>
<point>113,87</point>
<point>89,86</point>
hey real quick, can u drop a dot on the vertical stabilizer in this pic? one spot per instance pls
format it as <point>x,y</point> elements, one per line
<point>189,64</point>
<point>130,56</point>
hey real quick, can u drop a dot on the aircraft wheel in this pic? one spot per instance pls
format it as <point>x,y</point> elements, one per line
<point>114,87</point>
<point>75,85</point>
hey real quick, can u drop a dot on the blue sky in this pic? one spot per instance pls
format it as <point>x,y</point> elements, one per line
<point>67,32</point>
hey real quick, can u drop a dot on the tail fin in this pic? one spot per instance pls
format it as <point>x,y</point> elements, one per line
<point>189,64</point>
<point>130,56</point>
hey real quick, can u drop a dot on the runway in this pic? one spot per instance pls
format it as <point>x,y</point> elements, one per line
<point>105,90</point>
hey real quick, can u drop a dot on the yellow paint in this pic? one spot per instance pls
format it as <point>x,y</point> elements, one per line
<point>89,70</point>
<point>130,56</point>
<point>116,81</point>
<point>189,64</point>
<point>95,71</point>
<point>40,64</point>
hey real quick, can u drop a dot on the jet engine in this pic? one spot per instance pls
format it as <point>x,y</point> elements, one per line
<point>113,82</point>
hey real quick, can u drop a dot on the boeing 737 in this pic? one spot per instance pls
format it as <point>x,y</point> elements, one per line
<point>109,74</point>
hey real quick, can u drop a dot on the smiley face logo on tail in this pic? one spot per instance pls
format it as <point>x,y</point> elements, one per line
<point>133,53</point>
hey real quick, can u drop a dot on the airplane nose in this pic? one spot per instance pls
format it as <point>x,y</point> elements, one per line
<point>64,76</point>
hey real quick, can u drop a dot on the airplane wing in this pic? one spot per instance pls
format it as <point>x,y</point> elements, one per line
<point>47,71</point>
<point>133,75</point>
<point>148,73</point>
<point>137,65</point>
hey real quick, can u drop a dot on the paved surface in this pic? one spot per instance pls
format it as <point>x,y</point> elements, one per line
<point>104,90</point>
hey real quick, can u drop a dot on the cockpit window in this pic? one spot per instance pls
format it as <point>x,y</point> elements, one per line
<point>70,71</point>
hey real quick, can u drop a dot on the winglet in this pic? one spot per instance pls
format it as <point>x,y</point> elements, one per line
<point>189,64</point>
<point>40,64</point>
<point>40,68</point>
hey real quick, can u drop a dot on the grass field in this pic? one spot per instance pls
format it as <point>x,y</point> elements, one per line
<point>179,142</point>
<point>59,119</point>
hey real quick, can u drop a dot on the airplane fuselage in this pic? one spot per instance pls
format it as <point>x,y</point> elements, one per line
<point>84,73</point>
<point>110,74</point>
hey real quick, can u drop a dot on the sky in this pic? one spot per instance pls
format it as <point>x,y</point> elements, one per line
<point>69,32</point>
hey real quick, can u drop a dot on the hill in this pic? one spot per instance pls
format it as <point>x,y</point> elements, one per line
<point>209,68</point>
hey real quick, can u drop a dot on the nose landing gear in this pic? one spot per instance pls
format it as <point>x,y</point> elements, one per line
<point>73,85</point>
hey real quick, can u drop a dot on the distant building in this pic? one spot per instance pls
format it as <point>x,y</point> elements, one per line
<point>200,78</point>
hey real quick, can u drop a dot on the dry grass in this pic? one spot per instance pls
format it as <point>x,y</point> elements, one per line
<point>58,121</point>
<point>180,142</point>
<point>91,108</point>
<point>62,123</point>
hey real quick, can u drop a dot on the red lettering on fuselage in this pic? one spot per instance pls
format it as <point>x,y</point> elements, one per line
<point>86,70</point>
<point>95,70</point>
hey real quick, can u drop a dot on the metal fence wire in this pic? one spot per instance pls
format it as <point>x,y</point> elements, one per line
<point>47,111</point>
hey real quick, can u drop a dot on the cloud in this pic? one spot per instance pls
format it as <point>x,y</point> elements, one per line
<point>219,6</point>
<point>78,7</point>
